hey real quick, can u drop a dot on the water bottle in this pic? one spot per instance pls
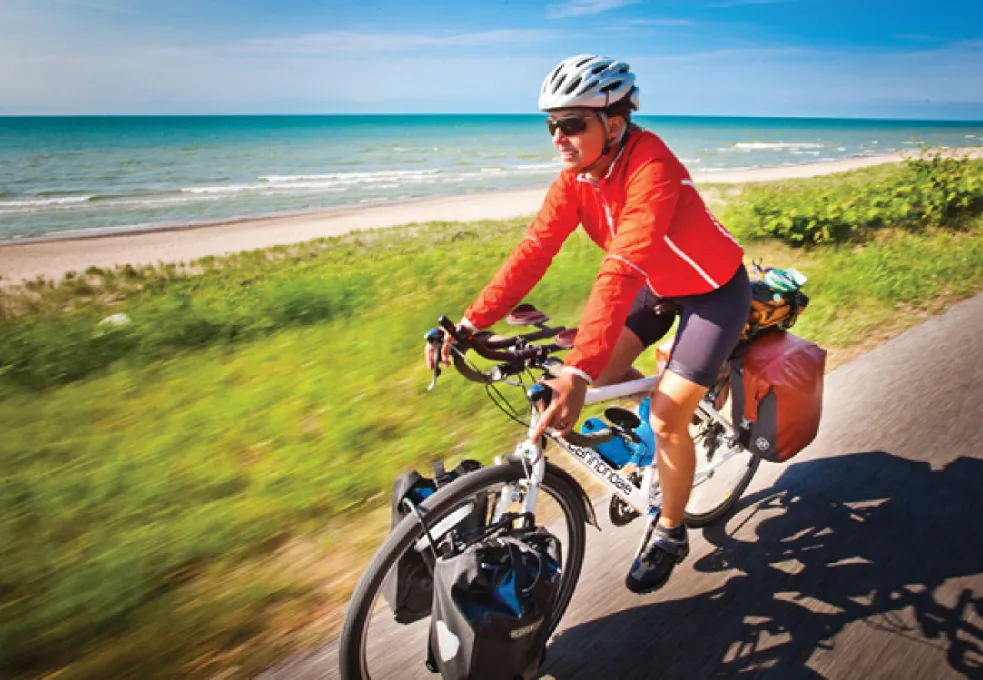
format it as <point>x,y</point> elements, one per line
<point>617,452</point>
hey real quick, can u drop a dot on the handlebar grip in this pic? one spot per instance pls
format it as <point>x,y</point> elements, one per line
<point>448,326</point>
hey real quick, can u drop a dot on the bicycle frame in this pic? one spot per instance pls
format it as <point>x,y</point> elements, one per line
<point>647,499</point>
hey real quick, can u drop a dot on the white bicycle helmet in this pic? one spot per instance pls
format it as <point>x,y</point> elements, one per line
<point>588,81</point>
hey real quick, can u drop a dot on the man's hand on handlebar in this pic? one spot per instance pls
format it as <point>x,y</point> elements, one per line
<point>568,394</point>
<point>438,351</point>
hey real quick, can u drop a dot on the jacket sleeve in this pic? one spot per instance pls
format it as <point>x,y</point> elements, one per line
<point>557,218</point>
<point>650,201</point>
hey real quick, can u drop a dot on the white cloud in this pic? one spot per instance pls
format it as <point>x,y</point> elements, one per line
<point>358,43</point>
<point>740,3</point>
<point>642,24</point>
<point>660,22</point>
<point>577,8</point>
<point>101,5</point>
<point>348,71</point>
<point>801,82</point>
<point>209,80</point>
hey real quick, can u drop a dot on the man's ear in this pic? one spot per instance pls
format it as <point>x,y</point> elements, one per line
<point>617,126</point>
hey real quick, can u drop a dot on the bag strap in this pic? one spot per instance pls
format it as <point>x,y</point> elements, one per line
<point>439,474</point>
<point>516,548</point>
<point>737,392</point>
<point>415,510</point>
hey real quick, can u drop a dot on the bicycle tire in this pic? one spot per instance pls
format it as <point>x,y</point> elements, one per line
<point>351,658</point>
<point>728,499</point>
<point>697,520</point>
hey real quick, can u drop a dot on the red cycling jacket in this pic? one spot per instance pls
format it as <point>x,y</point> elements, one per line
<point>649,218</point>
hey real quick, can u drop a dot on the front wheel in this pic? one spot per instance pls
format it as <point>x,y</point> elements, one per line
<point>373,645</point>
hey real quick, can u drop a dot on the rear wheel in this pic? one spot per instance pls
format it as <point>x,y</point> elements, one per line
<point>373,645</point>
<point>715,496</point>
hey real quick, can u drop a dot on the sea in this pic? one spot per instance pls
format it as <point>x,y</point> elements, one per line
<point>87,175</point>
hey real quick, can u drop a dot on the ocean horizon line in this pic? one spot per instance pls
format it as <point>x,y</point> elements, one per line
<point>535,114</point>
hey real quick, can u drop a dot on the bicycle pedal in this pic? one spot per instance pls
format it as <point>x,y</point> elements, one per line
<point>620,513</point>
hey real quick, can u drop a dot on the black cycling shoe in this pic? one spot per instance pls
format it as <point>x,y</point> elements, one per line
<point>653,564</point>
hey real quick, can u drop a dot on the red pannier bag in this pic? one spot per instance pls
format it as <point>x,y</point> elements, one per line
<point>777,394</point>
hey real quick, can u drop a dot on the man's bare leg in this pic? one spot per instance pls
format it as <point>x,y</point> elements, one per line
<point>619,368</point>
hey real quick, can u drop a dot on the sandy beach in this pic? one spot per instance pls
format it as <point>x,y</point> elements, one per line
<point>52,257</point>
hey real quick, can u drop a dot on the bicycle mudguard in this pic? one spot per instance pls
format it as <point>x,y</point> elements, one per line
<point>573,483</point>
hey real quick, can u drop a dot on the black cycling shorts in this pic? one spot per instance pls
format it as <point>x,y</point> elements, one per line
<point>709,326</point>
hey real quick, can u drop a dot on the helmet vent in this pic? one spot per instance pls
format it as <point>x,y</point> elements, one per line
<point>559,83</point>
<point>614,85</point>
<point>583,61</point>
<point>573,86</point>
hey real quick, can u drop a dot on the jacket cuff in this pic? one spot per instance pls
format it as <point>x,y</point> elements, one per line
<point>578,372</point>
<point>467,323</point>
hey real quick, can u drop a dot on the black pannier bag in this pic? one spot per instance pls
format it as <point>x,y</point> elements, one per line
<point>492,604</point>
<point>409,588</point>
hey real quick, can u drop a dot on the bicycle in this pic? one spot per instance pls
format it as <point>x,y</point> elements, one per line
<point>527,482</point>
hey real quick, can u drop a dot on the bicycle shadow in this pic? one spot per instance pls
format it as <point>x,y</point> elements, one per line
<point>866,538</point>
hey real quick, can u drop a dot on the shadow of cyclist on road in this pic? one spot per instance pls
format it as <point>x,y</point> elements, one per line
<point>869,541</point>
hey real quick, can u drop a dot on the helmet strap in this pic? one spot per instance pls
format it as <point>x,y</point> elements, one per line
<point>601,116</point>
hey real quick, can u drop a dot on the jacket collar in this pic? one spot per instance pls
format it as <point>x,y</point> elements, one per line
<point>584,177</point>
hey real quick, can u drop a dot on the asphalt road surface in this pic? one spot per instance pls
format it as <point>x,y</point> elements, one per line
<point>860,558</point>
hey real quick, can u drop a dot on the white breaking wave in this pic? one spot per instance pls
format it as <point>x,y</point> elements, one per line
<point>349,178</point>
<point>759,146</point>
<point>536,167</point>
<point>281,186</point>
<point>327,182</point>
<point>44,202</point>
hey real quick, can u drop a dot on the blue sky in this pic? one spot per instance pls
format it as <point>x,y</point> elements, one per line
<point>854,58</point>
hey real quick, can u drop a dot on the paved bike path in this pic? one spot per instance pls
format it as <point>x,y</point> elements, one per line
<point>861,558</point>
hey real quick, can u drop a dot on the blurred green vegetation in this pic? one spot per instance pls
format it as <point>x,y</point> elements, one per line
<point>192,492</point>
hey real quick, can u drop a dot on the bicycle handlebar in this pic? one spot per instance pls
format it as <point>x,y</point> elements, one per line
<point>509,351</point>
<point>496,348</point>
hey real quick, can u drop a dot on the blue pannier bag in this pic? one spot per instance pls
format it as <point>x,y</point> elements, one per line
<point>409,588</point>
<point>492,605</point>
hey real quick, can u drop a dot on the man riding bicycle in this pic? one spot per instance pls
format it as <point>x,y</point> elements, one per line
<point>636,200</point>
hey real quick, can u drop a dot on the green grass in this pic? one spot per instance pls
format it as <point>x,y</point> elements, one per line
<point>193,493</point>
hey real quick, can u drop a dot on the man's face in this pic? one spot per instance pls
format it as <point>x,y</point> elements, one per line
<point>578,135</point>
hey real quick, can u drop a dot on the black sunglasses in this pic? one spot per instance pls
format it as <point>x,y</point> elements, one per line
<point>568,125</point>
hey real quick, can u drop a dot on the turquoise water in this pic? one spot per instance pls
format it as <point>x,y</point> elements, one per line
<point>94,173</point>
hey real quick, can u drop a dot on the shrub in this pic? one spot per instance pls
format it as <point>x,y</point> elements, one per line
<point>926,190</point>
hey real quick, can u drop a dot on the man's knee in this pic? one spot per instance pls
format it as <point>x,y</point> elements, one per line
<point>670,421</point>
<point>670,429</point>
